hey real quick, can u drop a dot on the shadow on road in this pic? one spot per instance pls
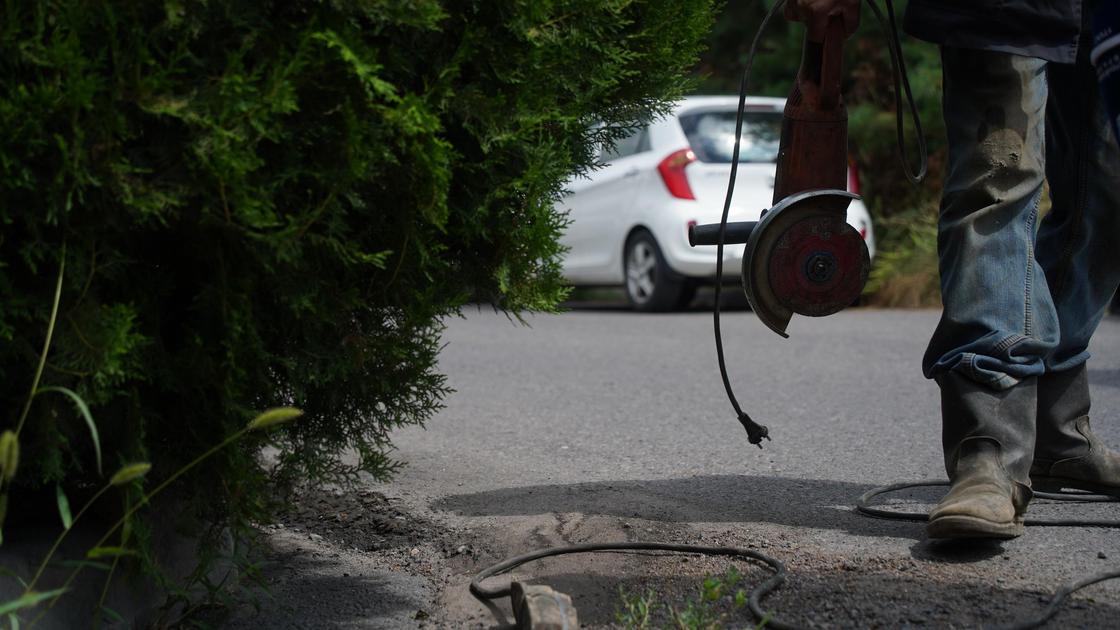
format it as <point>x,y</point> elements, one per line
<point>614,300</point>
<point>816,503</point>
<point>305,589</point>
<point>957,551</point>
<point>821,592</point>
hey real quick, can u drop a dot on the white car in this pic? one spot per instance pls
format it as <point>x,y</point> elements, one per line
<point>629,219</point>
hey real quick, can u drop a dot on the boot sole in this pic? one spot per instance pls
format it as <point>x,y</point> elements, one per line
<point>1057,484</point>
<point>972,527</point>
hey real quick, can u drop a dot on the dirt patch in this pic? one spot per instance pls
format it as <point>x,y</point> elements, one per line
<point>418,563</point>
<point>364,520</point>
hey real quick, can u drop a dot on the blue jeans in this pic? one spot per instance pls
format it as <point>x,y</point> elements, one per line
<point>1022,299</point>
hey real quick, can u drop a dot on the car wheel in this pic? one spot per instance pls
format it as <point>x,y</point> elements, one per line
<point>650,284</point>
<point>688,293</point>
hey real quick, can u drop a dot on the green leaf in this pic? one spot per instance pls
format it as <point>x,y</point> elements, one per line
<point>109,552</point>
<point>13,621</point>
<point>9,455</point>
<point>63,507</point>
<point>28,600</point>
<point>83,409</point>
<point>275,416</point>
<point>113,615</point>
<point>129,472</point>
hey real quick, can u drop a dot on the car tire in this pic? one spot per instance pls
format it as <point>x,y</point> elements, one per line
<point>651,286</point>
<point>689,288</point>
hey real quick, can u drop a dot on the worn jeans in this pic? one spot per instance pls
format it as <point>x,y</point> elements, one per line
<point>1022,299</point>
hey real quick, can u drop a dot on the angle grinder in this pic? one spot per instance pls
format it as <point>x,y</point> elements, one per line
<point>802,256</point>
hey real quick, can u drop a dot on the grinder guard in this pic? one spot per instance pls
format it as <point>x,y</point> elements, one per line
<point>803,257</point>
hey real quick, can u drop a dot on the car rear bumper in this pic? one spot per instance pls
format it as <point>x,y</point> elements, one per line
<point>700,262</point>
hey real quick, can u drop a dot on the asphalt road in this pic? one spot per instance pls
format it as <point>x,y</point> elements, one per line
<point>601,425</point>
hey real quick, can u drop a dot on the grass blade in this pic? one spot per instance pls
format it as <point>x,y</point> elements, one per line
<point>113,615</point>
<point>129,472</point>
<point>84,410</point>
<point>12,574</point>
<point>63,507</point>
<point>28,600</point>
<point>46,342</point>
<point>275,416</point>
<point>9,455</point>
<point>109,552</point>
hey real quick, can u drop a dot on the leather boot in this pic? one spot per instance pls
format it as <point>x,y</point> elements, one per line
<point>988,436</point>
<point>1066,453</point>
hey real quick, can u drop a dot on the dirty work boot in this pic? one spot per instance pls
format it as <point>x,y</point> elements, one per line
<point>1066,453</point>
<point>988,436</point>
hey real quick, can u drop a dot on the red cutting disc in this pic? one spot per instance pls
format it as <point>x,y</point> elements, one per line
<point>818,266</point>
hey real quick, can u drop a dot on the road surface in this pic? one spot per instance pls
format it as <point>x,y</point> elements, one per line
<point>601,425</point>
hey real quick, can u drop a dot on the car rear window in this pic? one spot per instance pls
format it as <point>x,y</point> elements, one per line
<point>711,135</point>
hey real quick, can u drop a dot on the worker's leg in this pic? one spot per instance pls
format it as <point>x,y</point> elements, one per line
<point>1079,240</point>
<point>1077,246</point>
<point>998,323</point>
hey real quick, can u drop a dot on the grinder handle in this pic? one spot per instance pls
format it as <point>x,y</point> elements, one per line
<point>832,55</point>
<point>708,234</point>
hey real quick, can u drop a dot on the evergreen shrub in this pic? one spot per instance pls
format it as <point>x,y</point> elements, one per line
<point>265,203</point>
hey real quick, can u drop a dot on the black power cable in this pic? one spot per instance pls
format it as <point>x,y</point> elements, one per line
<point>863,506</point>
<point>753,600</point>
<point>756,432</point>
<point>755,595</point>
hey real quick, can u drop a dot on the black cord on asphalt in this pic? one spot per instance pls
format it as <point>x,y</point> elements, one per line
<point>753,600</point>
<point>779,575</point>
<point>756,432</point>
<point>863,506</point>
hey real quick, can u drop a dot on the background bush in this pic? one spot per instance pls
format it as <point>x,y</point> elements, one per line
<point>277,202</point>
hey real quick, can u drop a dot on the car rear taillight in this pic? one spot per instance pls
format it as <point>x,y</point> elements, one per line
<point>672,173</point>
<point>853,177</point>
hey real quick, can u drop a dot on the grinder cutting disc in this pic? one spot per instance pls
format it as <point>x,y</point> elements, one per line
<point>804,258</point>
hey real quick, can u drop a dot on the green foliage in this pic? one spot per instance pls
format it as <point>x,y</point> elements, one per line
<point>270,203</point>
<point>720,602</point>
<point>869,92</point>
<point>634,610</point>
<point>906,275</point>
<point>126,475</point>
<point>27,600</point>
<point>208,208</point>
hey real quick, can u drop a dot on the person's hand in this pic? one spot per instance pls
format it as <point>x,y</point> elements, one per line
<point>817,13</point>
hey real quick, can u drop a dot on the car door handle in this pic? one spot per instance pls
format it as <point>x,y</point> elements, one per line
<point>631,173</point>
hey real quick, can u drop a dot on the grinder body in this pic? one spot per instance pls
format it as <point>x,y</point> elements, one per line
<point>813,151</point>
<point>802,256</point>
